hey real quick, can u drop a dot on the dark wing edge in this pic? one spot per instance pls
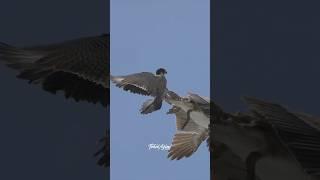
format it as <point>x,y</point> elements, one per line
<point>77,88</point>
<point>56,68</point>
<point>302,140</point>
<point>104,151</point>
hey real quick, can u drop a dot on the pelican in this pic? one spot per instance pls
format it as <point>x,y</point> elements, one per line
<point>190,113</point>
<point>187,140</point>
<point>190,135</point>
<point>145,83</point>
<point>79,68</point>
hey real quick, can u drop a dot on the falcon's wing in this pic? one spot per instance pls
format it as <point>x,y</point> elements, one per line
<point>188,138</point>
<point>79,67</point>
<point>301,139</point>
<point>144,83</point>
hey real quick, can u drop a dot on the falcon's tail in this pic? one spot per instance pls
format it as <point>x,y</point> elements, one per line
<point>151,105</point>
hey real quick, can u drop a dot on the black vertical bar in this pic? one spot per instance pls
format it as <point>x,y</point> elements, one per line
<point>216,112</point>
<point>212,85</point>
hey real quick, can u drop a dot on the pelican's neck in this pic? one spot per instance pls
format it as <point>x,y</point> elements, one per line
<point>183,107</point>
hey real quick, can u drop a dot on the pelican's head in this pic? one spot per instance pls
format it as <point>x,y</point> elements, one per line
<point>174,110</point>
<point>174,99</point>
<point>184,103</point>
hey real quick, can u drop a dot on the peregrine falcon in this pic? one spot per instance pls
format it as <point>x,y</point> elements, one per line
<point>190,112</point>
<point>190,135</point>
<point>145,83</point>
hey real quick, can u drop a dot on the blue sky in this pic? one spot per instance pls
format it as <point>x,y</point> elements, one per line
<point>146,35</point>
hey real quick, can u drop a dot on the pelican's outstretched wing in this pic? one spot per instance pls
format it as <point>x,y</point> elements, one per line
<point>78,67</point>
<point>185,143</point>
<point>188,137</point>
<point>301,139</point>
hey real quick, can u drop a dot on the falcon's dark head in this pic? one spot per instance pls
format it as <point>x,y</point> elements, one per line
<point>161,71</point>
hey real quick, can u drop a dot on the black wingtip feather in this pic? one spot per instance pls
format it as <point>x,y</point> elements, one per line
<point>76,88</point>
<point>104,152</point>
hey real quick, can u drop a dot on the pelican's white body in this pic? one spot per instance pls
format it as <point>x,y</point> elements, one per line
<point>200,118</point>
<point>197,116</point>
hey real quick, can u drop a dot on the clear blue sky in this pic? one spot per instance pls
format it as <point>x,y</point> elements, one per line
<point>146,35</point>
